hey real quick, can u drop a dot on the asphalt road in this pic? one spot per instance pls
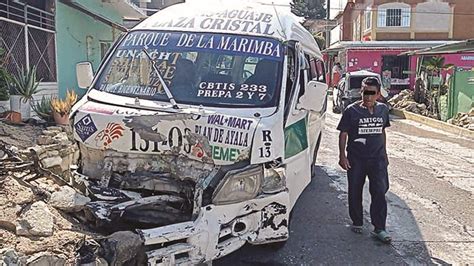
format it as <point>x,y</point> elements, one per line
<point>431,218</point>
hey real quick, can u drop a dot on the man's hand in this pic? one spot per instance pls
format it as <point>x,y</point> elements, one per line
<point>344,162</point>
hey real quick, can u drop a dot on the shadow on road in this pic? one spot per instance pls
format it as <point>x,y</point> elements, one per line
<point>320,233</point>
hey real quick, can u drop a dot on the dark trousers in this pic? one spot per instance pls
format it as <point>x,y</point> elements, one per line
<point>376,170</point>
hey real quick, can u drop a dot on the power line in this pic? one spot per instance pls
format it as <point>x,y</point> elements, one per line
<point>411,11</point>
<point>375,10</point>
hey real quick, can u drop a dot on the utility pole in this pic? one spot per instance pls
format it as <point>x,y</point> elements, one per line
<point>328,18</point>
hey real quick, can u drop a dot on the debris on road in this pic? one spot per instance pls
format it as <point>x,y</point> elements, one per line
<point>405,101</point>
<point>68,200</point>
<point>44,205</point>
<point>465,120</point>
<point>21,137</point>
<point>31,230</point>
<point>35,220</point>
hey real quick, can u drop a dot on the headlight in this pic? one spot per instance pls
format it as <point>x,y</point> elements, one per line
<point>239,185</point>
<point>273,180</point>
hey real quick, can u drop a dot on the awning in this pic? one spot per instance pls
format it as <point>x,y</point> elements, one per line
<point>466,46</point>
<point>383,45</point>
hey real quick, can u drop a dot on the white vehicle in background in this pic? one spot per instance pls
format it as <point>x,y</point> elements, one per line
<point>208,118</point>
<point>347,90</point>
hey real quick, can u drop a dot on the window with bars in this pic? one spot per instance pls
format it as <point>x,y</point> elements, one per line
<point>393,17</point>
<point>27,37</point>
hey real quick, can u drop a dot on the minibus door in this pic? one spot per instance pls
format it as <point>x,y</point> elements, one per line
<point>297,156</point>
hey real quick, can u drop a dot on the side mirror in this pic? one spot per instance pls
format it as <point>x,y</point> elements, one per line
<point>314,97</point>
<point>84,74</point>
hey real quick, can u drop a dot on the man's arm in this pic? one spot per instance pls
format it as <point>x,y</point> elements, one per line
<point>343,161</point>
<point>385,144</point>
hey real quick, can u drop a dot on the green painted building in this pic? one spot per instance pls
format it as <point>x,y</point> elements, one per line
<point>85,29</point>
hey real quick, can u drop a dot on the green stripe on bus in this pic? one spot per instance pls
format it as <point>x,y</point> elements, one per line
<point>296,139</point>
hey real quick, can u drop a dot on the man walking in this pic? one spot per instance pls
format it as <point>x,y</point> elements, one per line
<point>362,128</point>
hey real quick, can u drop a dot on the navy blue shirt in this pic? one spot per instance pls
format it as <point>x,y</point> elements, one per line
<point>365,130</point>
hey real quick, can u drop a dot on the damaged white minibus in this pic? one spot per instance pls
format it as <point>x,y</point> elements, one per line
<point>201,128</point>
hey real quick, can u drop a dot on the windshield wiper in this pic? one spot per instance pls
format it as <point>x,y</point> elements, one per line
<point>163,83</point>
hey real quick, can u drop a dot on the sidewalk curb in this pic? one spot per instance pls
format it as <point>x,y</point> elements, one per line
<point>459,131</point>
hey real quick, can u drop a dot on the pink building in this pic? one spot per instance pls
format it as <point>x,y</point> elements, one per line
<point>390,59</point>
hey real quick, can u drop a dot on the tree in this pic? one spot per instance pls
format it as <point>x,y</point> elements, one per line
<point>320,40</point>
<point>309,9</point>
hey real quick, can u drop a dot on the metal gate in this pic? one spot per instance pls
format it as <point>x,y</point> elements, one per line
<point>461,93</point>
<point>27,38</point>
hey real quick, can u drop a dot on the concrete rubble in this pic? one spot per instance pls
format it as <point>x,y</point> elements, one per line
<point>465,120</point>
<point>405,101</point>
<point>67,199</point>
<point>35,220</point>
<point>32,232</point>
<point>42,206</point>
<point>9,256</point>
<point>46,258</point>
<point>57,149</point>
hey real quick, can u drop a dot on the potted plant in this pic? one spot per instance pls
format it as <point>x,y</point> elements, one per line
<point>4,91</point>
<point>62,108</point>
<point>25,86</point>
<point>15,97</point>
<point>43,109</point>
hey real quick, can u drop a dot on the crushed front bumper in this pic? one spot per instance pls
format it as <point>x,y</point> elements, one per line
<point>219,230</point>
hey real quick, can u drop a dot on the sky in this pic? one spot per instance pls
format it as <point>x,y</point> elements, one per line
<point>336,5</point>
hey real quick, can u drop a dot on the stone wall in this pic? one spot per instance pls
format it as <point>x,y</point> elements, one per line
<point>57,150</point>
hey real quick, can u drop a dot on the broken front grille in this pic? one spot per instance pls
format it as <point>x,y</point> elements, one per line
<point>127,203</point>
<point>140,191</point>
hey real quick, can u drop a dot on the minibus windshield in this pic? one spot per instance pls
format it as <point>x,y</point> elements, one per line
<point>198,68</point>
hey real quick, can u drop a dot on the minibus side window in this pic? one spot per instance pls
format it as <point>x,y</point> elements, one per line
<point>320,69</point>
<point>313,69</point>
<point>317,70</point>
<point>303,77</point>
<point>291,77</point>
<point>302,83</point>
